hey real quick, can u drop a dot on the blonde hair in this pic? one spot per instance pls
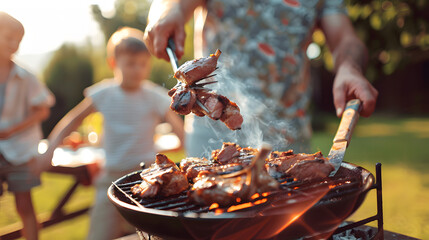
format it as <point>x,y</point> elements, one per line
<point>125,40</point>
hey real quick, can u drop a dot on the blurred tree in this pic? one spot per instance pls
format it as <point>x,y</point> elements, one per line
<point>68,73</point>
<point>130,13</point>
<point>396,33</point>
<point>133,13</point>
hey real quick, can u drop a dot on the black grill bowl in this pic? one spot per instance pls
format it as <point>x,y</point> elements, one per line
<point>266,221</point>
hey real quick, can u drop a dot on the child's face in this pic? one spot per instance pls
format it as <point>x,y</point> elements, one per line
<point>134,67</point>
<point>10,38</point>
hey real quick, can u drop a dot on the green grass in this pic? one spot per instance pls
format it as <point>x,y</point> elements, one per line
<point>401,145</point>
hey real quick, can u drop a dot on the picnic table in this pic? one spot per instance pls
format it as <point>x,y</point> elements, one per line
<point>83,164</point>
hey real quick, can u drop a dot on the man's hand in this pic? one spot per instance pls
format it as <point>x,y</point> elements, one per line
<point>350,56</point>
<point>349,84</point>
<point>166,20</point>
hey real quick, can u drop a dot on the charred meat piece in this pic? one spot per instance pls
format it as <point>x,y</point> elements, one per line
<point>191,161</point>
<point>192,167</point>
<point>226,189</point>
<point>233,153</point>
<point>229,111</point>
<point>183,100</point>
<point>231,116</point>
<point>307,170</point>
<point>163,178</point>
<point>212,102</point>
<point>227,153</point>
<point>194,171</point>
<point>194,70</point>
<point>217,107</point>
<point>300,166</point>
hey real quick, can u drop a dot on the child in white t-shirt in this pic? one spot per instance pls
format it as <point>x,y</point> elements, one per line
<point>24,104</point>
<point>131,108</point>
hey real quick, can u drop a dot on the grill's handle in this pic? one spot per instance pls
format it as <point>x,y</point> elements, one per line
<point>348,121</point>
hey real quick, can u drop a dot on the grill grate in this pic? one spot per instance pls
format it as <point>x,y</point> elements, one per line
<point>180,202</point>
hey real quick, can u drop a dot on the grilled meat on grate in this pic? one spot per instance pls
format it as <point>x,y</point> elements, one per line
<point>300,166</point>
<point>234,187</point>
<point>163,178</point>
<point>232,172</point>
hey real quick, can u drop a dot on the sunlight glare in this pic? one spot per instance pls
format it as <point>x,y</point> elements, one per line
<point>313,51</point>
<point>43,146</point>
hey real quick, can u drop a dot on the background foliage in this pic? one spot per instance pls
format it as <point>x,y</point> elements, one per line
<point>67,74</point>
<point>396,33</point>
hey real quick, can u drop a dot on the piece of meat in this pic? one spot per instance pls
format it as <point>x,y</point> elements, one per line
<point>280,164</point>
<point>190,161</point>
<point>163,178</point>
<point>194,70</point>
<point>233,153</point>
<point>210,189</point>
<point>183,100</point>
<point>192,167</point>
<point>231,116</point>
<point>172,91</point>
<point>307,170</point>
<point>194,171</point>
<point>219,107</point>
<point>227,153</point>
<point>212,102</point>
<point>226,189</point>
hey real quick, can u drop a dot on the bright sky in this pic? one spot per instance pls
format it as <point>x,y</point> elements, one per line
<point>50,23</point>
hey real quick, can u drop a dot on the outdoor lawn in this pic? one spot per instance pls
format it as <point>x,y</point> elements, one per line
<point>401,145</point>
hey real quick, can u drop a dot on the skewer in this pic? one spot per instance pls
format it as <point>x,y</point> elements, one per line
<point>209,76</point>
<point>205,110</point>
<point>201,88</point>
<point>202,84</point>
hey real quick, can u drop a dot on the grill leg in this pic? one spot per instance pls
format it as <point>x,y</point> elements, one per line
<point>380,233</point>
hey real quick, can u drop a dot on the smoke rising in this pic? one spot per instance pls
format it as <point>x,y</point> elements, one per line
<point>260,124</point>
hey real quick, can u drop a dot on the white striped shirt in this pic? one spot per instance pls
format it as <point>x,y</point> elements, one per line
<point>129,121</point>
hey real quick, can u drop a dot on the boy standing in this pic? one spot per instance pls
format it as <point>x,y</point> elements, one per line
<point>131,107</point>
<point>24,104</point>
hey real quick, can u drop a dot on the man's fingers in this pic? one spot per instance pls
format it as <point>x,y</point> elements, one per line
<point>159,46</point>
<point>148,41</point>
<point>339,100</point>
<point>369,99</point>
<point>179,40</point>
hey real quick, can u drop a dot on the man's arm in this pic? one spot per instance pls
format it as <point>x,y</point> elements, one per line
<point>166,20</point>
<point>350,57</point>
<point>37,115</point>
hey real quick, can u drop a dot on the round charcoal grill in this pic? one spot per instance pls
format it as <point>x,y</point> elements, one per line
<point>297,210</point>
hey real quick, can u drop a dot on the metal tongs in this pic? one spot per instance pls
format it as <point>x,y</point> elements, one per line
<point>171,48</point>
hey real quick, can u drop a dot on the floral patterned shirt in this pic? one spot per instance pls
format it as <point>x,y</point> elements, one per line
<point>264,67</point>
